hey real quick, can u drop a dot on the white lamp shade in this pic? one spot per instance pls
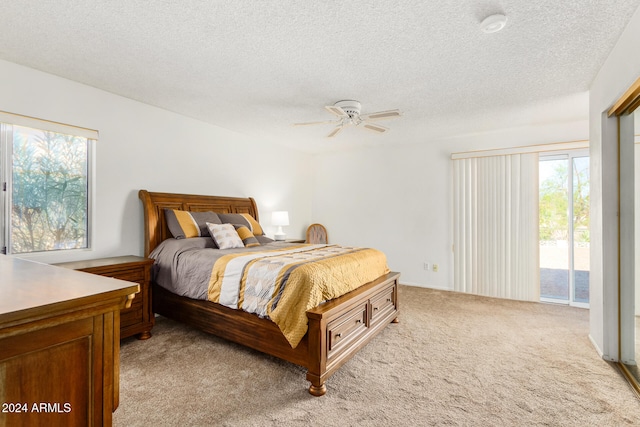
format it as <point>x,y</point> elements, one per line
<point>280,218</point>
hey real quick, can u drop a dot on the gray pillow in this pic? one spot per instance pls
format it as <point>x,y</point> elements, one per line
<point>185,224</point>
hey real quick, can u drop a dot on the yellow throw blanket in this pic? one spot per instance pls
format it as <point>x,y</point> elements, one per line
<point>283,284</point>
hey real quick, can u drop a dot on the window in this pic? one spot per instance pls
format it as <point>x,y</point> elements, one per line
<point>45,182</point>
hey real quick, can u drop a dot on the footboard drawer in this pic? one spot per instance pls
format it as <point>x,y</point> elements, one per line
<point>346,328</point>
<point>383,303</point>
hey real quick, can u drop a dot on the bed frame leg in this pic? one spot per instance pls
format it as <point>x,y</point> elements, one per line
<point>144,335</point>
<point>317,390</point>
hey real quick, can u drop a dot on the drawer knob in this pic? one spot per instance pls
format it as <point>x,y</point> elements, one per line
<point>338,335</point>
<point>388,299</point>
<point>375,308</point>
<point>359,321</point>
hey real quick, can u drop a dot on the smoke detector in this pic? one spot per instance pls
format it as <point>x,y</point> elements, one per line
<point>493,23</point>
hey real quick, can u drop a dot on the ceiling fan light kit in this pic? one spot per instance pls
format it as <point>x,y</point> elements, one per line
<point>348,114</point>
<point>352,108</point>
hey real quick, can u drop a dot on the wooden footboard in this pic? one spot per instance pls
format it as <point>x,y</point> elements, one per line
<point>337,328</point>
<point>342,326</point>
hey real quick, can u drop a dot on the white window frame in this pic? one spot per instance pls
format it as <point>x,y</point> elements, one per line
<point>7,120</point>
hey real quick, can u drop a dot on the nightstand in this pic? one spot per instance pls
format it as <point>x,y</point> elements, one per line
<point>137,319</point>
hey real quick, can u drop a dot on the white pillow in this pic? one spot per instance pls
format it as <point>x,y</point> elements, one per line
<point>225,236</point>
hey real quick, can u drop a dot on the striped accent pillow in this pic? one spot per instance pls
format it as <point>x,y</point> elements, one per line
<point>246,235</point>
<point>225,236</point>
<point>186,224</point>
<point>255,227</point>
<point>244,219</point>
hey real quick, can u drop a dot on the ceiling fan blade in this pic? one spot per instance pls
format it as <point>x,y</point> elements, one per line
<point>315,123</point>
<point>374,127</point>
<point>381,115</point>
<point>335,131</point>
<point>337,111</point>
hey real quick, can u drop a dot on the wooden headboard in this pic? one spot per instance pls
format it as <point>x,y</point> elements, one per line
<point>153,205</point>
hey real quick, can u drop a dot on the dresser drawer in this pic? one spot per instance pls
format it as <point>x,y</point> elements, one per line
<point>134,274</point>
<point>131,316</point>
<point>346,328</point>
<point>138,302</point>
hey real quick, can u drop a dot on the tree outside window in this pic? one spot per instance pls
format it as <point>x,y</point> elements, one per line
<point>49,191</point>
<point>554,199</point>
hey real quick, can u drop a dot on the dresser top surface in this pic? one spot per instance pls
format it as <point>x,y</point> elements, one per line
<point>26,286</point>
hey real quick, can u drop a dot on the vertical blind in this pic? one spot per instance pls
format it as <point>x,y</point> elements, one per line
<point>496,251</point>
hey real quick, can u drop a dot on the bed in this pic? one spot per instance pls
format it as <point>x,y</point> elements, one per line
<point>336,330</point>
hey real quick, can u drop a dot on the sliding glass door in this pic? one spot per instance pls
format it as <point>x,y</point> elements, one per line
<point>564,228</point>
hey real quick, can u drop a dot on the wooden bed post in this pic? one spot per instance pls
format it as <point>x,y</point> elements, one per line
<point>148,214</point>
<point>317,354</point>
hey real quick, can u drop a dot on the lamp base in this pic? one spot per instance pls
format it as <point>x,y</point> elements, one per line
<point>280,235</point>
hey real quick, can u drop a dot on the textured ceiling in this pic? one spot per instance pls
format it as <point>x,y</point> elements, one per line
<point>258,66</point>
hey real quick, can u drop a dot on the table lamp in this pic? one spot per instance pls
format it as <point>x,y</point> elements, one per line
<point>280,218</point>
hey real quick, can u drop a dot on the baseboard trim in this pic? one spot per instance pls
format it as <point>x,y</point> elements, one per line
<point>419,285</point>
<point>596,347</point>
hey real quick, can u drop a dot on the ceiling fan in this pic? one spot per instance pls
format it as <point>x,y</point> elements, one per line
<point>348,114</point>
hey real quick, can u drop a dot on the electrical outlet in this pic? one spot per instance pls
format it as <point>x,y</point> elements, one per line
<point>435,268</point>
<point>426,266</point>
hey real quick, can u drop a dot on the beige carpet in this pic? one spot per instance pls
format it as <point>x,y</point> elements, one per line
<point>454,359</point>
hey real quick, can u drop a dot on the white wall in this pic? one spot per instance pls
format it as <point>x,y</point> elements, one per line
<point>143,147</point>
<point>397,198</point>
<point>618,73</point>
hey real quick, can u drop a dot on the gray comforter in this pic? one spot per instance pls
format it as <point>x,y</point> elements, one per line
<point>183,266</point>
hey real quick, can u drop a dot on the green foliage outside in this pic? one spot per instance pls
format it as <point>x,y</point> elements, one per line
<point>554,197</point>
<point>49,191</point>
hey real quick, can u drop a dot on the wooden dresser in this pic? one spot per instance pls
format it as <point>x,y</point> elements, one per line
<point>138,319</point>
<point>59,345</point>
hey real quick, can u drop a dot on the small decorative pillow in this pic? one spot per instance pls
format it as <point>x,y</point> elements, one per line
<point>186,224</point>
<point>225,236</point>
<point>244,219</point>
<point>246,236</point>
